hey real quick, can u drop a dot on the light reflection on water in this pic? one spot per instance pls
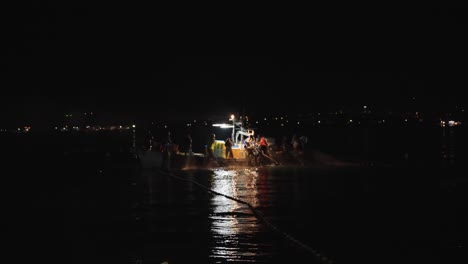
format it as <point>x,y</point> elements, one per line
<point>233,224</point>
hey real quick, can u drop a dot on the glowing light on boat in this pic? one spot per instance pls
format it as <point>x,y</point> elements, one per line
<point>223,125</point>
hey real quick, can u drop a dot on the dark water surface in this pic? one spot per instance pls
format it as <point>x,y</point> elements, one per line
<point>347,214</point>
<point>75,203</point>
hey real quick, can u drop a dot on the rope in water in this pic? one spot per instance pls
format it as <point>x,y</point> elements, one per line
<point>322,258</point>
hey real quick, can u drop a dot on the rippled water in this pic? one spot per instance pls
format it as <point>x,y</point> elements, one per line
<point>349,214</point>
<point>99,209</point>
<point>345,214</point>
<point>233,223</point>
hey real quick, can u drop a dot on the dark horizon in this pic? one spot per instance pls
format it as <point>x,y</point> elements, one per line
<point>61,61</point>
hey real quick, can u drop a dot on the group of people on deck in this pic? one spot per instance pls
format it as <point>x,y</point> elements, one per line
<point>257,150</point>
<point>252,146</point>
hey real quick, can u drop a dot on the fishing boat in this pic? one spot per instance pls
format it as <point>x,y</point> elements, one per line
<point>243,155</point>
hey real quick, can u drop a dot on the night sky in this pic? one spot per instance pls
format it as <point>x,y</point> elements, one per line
<point>135,64</point>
